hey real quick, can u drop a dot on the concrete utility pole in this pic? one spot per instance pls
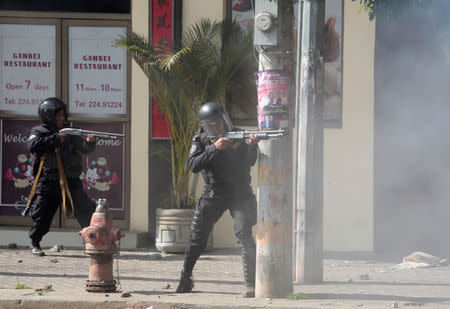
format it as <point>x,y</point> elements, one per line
<point>274,272</point>
<point>309,204</point>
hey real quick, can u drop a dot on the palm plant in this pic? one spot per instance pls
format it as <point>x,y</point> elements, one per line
<point>212,61</point>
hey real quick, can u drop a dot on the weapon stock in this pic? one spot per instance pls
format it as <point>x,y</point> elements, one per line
<point>80,132</point>
<point>26,211</point>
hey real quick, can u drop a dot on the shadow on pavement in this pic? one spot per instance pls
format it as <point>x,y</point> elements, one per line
<point>147,293</point>
<point>387,283</point>
<point>417,300</point>
<point>122,278</point>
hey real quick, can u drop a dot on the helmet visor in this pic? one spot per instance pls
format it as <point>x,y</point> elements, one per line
<point>217,125</point>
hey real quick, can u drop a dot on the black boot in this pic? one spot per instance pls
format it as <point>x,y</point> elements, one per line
<point>249,266</point>
<point>186,283</point>
<point>35,249</point>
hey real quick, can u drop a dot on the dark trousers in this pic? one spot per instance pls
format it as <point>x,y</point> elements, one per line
<point>207,212</point>
<point>46,201</point>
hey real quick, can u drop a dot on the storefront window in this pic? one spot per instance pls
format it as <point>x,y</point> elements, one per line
<point>97,72</point>
<point>28,65</point>
<point>91,6</point>
<point>73,60</point>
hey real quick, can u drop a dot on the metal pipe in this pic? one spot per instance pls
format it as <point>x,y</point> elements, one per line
<point>295,131</point>
<point>309,242</point>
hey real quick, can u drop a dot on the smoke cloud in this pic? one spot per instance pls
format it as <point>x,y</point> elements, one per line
<point>412,132</point>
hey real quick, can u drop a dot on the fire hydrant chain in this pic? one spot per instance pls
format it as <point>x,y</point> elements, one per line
<point>118,285</point>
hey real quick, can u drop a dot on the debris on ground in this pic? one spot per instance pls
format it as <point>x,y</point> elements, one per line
<point>166,286</point>
<point>421,260</point>
<point>394,304</point>
<point>53,261</point>
<point>413,304</point>
<point>297,296</point>
<point>422,257</point>
<point>56,248</point>
<point>364,277</point>
<point>41,291</point>
<point>125,294</point>
<point>347,280</point>
<point>154,256</point>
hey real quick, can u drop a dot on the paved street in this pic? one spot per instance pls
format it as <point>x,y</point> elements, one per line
<point>218,278</point>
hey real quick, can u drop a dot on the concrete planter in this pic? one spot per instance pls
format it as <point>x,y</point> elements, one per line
<point>173,228</point>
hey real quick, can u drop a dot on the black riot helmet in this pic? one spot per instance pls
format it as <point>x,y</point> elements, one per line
<point>214,119</point>
<point>49,108</point>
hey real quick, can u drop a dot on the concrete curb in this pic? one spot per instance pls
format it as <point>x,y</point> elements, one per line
<point>218,283</point>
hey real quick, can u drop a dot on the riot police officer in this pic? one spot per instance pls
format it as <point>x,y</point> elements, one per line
<point>48,147</point>
<point>225,167</point>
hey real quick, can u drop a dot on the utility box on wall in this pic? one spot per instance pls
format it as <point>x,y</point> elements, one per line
<point>266,23</point>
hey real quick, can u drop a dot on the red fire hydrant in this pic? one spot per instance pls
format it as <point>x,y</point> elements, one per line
<point>100,239</point>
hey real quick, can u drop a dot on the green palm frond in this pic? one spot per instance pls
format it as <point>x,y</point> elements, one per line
<point>212,60</point>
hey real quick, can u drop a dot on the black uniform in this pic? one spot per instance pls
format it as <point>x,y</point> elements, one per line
<point>227,186</point>
<point>48,191</point>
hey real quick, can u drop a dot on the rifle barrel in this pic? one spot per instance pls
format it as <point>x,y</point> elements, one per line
<point>102,134</point>
<point>260,134</point>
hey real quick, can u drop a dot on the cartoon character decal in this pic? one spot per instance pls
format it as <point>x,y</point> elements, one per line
<point>98,176</point>
<point>22,174</point>
<point>91,176</point>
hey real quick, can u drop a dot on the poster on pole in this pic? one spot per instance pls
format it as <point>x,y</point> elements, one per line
<point>103,169</point>
<point>97,72</point>
<point>27,67</point>
<point>273,95</point>
<point>17,165</point>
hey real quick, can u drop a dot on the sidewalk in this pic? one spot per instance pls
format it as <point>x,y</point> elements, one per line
<point>218,278</point>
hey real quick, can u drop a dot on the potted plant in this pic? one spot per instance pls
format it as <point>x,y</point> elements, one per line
<point>212,61</point>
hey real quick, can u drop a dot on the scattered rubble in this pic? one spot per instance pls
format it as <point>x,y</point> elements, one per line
<point>394,304</point>
<point>42,291</point>
<point>154,256</point>
<point>364,277</point>
<point>420,260</point>
<point>413,304</point>
<point>125,294</point>
<point>296,296</point>
<point>56,248</point>
<point>166,286</point>
<point>422,257</point>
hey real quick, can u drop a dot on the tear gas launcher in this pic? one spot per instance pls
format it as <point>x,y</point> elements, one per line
<point>84,133</point>
<point>235,135</point>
